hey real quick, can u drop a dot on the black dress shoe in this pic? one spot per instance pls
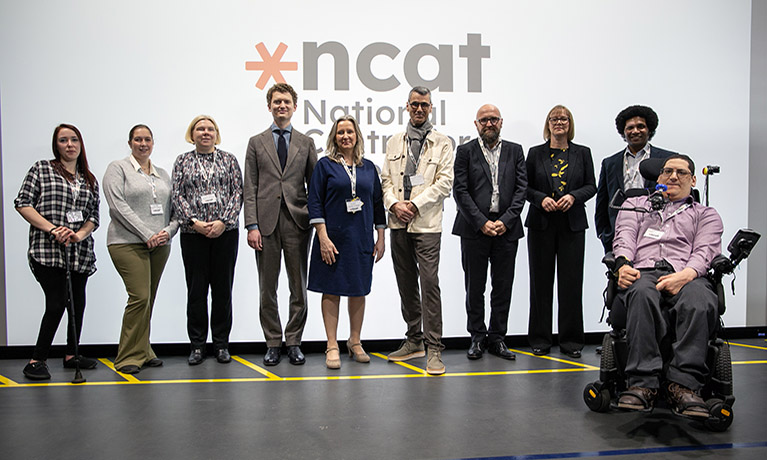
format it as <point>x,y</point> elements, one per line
<point>223,356</point>
<point>475,350</point>
<point>272,356</point>
<point>196,357</point>
<point>572,353</point>
<point>501,350</point>
<point>295,356</point>
<point>537,351</point>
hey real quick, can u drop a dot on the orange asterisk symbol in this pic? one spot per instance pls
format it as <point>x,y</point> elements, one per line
<point>271,66</point>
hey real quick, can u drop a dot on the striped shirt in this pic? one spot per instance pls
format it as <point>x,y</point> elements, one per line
<point>196,176</point>
<point>53,196</point>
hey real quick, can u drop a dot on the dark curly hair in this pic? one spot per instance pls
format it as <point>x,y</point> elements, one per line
<point>649,115</point>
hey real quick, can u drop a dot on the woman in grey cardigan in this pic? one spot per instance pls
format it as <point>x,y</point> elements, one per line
<point>138,240</point>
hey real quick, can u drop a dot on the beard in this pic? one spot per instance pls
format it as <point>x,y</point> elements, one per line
<point>490,136</point>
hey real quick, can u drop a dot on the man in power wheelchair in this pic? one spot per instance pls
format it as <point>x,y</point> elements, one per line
<point>665,299</point>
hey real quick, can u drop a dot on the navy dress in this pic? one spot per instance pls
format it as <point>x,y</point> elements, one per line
<point>352,233</point>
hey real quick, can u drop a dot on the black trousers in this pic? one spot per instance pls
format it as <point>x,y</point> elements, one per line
<point>476,253</point>
<point>54,284</point>
<point>209,264</point>
<point>556,247</point>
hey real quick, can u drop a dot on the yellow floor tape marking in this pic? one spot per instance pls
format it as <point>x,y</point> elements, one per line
<point>558,360</point>
<point>256,368</point>
<point>749,362</point>
<point>111,365</point>
<point>747,346</point>
<point>401,363</point>
<point>6,381</point>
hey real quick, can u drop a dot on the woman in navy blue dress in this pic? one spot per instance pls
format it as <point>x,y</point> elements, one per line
<point>345,205</point>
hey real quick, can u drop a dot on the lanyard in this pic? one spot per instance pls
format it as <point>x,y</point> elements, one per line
<point>352,176</point>
<point>150,180</point>
<point>207,174</point>
<point>75,188</point>
<point>680,209</point>
<point>410,154</point>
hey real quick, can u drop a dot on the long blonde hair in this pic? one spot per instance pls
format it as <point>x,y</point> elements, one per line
<point>332,148</point>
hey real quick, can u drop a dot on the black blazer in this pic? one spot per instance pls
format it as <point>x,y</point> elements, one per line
<point>580,184</point>
<point>610,181</point>
<point>473,189</point>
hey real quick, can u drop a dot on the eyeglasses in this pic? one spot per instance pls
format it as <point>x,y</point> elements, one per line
<point>680,173</point>
<point>555,120</point>
<point>492,120</point>
<point>422,105</point>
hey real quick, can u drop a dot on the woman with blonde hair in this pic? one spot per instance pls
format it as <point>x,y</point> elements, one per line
<point>207,197</point>
<point>560,178</point>
<point>345,206</point>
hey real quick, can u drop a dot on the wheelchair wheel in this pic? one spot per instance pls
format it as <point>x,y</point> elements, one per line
<point>723,370</point>
<point>596,399</point>
<point>720,415</point>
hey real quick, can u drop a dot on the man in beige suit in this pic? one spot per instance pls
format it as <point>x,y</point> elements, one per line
<point>278,166</point>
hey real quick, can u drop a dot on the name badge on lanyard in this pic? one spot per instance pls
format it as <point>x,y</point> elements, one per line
<point>653,234</point>
<point>74,216</point>
<point>416,179</point>
<point>354,204</point>
<point>208,198</point>
<point>155,209</point>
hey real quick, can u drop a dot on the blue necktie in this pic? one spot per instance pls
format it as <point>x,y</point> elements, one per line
<point>282,149</point>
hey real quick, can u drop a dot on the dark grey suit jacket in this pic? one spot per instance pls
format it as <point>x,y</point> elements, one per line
<point>266,184</point>
<point>473,189</point>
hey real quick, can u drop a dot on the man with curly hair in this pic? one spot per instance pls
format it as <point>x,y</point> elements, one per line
<point>620,171</point>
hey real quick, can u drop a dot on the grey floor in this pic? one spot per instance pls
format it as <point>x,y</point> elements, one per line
<point>528,409</point>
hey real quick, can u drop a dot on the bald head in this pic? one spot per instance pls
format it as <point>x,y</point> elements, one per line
<point>489,123</point>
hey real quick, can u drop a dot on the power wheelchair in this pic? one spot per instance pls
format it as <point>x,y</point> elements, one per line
<point>602,395</point>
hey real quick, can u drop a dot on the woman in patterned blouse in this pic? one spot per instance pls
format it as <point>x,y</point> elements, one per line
<point>60,200</point>
<point>207,196</point>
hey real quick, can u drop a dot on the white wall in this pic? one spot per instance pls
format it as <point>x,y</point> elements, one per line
<point>105,68</point>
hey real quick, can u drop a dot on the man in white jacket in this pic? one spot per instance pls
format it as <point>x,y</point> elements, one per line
<point>417,176</point>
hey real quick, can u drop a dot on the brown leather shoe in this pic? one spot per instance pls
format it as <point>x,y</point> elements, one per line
<point>684,401</point>
<point>638,398</point>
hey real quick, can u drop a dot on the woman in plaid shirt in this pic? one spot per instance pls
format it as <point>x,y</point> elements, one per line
<point>60,200</point>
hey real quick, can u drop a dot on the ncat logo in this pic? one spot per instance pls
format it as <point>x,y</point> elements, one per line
<point>471,53</point>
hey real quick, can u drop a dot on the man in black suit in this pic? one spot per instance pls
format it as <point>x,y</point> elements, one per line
<point>489,190</point>
<point>637,125</point>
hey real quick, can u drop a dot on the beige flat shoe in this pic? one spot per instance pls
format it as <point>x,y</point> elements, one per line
<point>332,363</point>
<point>359,354</point>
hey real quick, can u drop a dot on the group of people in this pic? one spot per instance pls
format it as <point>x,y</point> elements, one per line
<point>286,192</point>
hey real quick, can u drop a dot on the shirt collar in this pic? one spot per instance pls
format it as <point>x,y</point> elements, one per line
<point>494,149</point>
<point>289,128</point>
<point>645,152</point>
<point>137,166</point>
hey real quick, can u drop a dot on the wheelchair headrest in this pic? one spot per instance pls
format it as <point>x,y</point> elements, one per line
<point>650,168</point>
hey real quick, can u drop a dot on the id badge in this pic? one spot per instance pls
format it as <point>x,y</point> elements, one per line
<point>354,205</point>
<point>74,216</point>
<point>155,209</point>
<point>208,198</point>
<point>653,234</point>
<point>416,179</point>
